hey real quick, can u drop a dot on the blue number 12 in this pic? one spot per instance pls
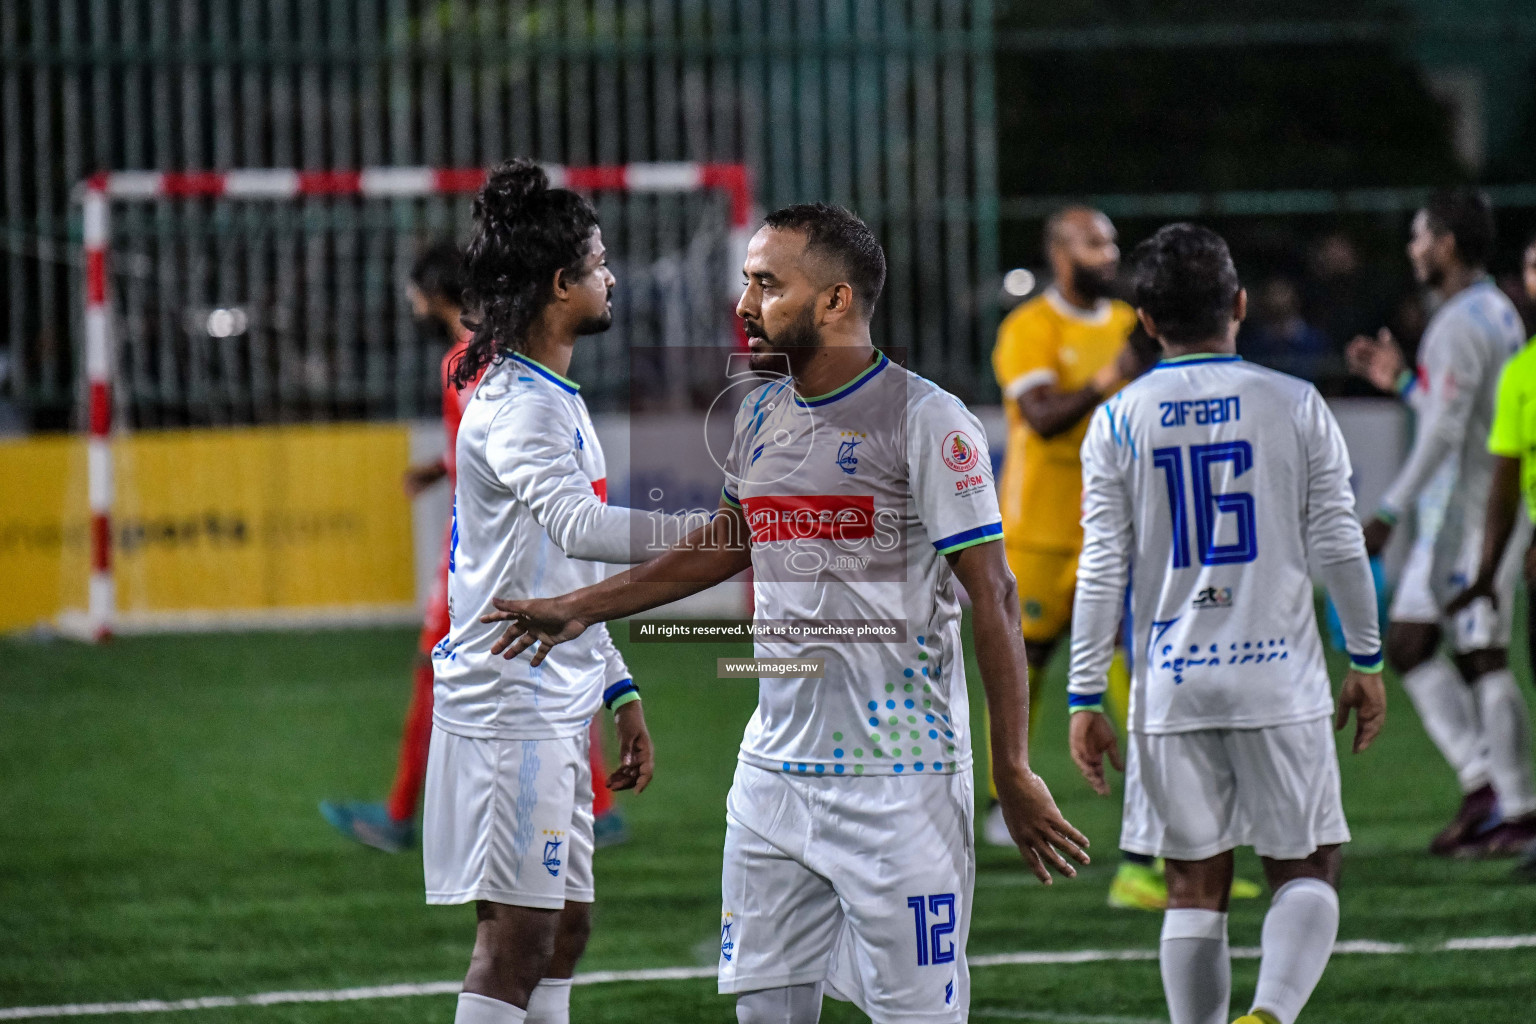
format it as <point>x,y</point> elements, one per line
<point>1209,503</point>
<point>931,947</point>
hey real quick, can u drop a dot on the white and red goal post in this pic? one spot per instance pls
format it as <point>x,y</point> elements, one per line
<point>98,194</point>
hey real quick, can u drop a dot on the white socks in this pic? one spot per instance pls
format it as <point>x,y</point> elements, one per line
<point>1450,716</point>
<point>550,1002</point>
<point>1506,723</point>
<point>478,1009</point>
<point>1299,930</point>
<point>1197,972</point>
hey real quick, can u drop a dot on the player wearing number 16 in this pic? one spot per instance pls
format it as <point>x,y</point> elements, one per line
<point>1210,485</point>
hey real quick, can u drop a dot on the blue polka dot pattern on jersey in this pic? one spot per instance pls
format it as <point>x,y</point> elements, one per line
<point>918,766</point>
<point>874,721</point>
<point>933,734</point>
<point>873,705</point>
<point>891,704</point>
<point>838,752</point>
<point>910,705</point>
<point>898,768</point>
<point>837,770</point>
<point>820,768</point>
<point>938,767</point>
<point>786,766</point>
<point>907,672</point>
<point>920,641</point>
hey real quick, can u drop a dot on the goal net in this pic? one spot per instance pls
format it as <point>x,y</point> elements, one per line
<point>253,371</point>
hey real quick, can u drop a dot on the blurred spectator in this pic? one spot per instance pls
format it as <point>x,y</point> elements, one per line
<point>1280,337</point>
<point>1338,294</point>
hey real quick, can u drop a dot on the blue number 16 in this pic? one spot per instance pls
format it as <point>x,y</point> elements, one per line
<point>1208,503</point>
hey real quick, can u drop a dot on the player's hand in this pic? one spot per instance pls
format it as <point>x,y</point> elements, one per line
<point>1379,359</point>
<point>1377,532</point>
<point>1037,827</point>
<point>637,757</point>
<point>1364,692</point>
<point>419,477</point>
<point>1481,587</point>
<point>1091,737</point>
<point>545,621</point>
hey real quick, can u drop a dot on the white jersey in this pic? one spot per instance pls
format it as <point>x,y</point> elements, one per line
<point>1465,346</point>
<point>853,500</point>
<point>530,520</point>
<point>1209,484</point>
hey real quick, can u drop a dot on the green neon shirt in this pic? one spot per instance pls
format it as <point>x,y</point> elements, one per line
<point>1514,420</point>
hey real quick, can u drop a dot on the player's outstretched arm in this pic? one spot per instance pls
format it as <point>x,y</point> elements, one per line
<point>711,554</point>
<point>1378,360</point>
<point>1034,821</point>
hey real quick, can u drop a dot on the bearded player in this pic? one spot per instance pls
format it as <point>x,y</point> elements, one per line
<point>1467,697</point>
<point>436,295</point>
<point>508,815</point>
<point>849,863</point>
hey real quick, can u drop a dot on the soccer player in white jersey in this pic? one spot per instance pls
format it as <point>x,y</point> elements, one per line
<point>1209,485</point>
<point>508,815</point>
<point>856,491</point>
<point>1470,703</point>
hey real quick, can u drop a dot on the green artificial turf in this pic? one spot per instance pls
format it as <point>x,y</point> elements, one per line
<point>159,839</point>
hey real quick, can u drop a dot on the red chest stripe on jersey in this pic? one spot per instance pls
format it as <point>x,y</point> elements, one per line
<point>810,517</point>
<point>600,488</point>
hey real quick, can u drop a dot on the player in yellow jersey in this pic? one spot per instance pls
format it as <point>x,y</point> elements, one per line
<point>1057,358</point>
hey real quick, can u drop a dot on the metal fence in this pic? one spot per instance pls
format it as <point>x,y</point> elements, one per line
<point>883,105</point>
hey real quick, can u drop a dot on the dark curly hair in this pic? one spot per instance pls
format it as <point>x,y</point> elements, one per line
<point>1184,278</point>
<point>524,233</point>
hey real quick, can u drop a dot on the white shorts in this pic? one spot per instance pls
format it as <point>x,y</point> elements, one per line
<point>1432,576</point>
<point>508,821</point>
<point>1192,795</point>
<point>862,883</point>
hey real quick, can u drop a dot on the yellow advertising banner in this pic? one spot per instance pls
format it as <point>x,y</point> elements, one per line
<point>220,521</point>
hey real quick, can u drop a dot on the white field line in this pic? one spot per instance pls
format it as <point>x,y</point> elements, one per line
<point>439,988</point>
<point>1047,1017</point>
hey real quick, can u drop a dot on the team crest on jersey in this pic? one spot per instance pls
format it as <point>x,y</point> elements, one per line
<point>959,451</point>
<point>551,859</point>
<point>727,944</point>
<point>847,461</point>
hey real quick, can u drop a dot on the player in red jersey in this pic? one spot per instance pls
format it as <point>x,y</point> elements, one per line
<point>437,304</point>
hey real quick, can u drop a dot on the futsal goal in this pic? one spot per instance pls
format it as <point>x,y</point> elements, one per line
<point>250,365</point>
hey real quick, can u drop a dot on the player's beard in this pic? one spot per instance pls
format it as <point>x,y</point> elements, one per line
<point>1431,276</point>
<point>797,342</point>
<point>596,324</point>
<point>1093,283</point>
